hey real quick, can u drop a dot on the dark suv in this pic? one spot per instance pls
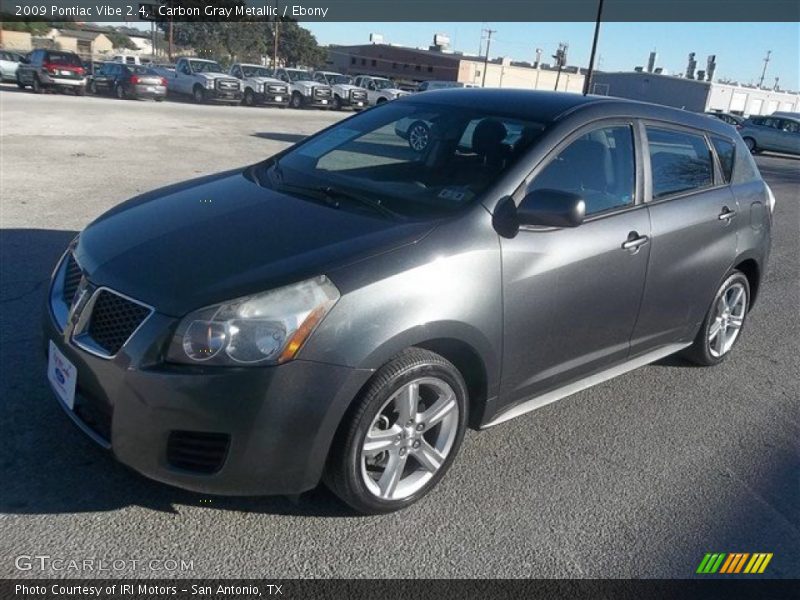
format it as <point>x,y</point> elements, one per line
<point>345,309</point>
<point>52,69</point>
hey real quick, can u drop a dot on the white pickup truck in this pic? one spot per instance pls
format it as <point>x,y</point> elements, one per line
<point>305,91</point>
<point>203,80</point>
<point>345,94</point>
<point>379,89</point>
<point>260,87</point>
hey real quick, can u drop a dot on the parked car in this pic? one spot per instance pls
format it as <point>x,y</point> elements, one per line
<point>127,59</point>
<point>9,62</point>
<point>379,89</point>
<point>260,87</point>
<point>428,86</point>
<point>304,90</point>
<point>776,134</point>
<point>202,80</point>
<point>345,309</point>
<point>728,118</point>
<point>129,81</point>
<point>52,69</point>
<point>345,94</point>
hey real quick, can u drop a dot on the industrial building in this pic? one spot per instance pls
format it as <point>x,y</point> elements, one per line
<point>694,90</point>
<point>410,66</point>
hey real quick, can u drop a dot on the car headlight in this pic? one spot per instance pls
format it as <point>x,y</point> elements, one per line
<point>307,91</point>
<point>210,84</point>
<point>266,328</point>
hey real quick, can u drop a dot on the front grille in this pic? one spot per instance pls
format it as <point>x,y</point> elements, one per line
<point>276,89</point>
<point>197,451</point>
<point>321,92</point>
<point>358,95</point>
<point>113,320</point>
<point>228,85</point>
<point>72,278</point>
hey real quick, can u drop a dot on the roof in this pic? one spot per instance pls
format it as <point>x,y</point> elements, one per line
<point>79,33</point>
<point>536,105</point>
<point>546,107</point>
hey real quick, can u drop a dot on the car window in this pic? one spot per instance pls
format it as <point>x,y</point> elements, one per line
<point>790,126</point>
<point>725,153</point>
<point>679,161</point>
<point>599,166</point>
<point>416,159</point>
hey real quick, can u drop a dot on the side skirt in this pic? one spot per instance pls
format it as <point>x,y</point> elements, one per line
<point>527,406</point>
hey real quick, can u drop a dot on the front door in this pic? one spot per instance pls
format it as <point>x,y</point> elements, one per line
<point>571,295</point>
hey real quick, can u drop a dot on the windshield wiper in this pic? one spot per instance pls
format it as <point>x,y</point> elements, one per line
<point>377,205</point>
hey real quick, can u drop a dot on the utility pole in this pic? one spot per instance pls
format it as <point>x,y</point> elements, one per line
<point>764,71</point>
<point>587,82</point>
<point>275,34</point>
<point>489,33</point>
<point>561,59</point>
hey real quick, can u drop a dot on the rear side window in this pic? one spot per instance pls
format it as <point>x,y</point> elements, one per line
<point>599,166</point>
<point>725,153</point>
<point>679,161</point>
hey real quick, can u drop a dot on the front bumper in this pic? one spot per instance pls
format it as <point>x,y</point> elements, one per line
<point>216,95</point>
<point>270,99</point>
<point>279,421</point>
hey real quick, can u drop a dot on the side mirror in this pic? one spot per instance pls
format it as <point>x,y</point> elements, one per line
<point>551,208</point>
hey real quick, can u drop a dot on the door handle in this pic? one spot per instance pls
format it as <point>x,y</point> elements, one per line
<point>727,214</point>
<point>634,241</point>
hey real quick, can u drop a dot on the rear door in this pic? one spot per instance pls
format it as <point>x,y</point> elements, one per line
<point>693,214</point>
<point>789,135</point>
<point>571,295</point>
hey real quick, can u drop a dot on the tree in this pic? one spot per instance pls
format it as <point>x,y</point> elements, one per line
<point>120,41</point>
<point>298,46</point>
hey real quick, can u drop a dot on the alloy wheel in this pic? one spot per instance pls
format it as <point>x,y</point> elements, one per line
<point>418,137</point>
<point>409,438</point>
<point>729,313</point>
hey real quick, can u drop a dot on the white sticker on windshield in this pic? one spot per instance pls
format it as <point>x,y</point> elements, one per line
<point>328,142</point>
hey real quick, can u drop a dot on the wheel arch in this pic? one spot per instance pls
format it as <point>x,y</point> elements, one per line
<point>751,269</point>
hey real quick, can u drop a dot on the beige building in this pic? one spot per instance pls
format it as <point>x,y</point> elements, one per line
<point>85,43</point>
<point>16,40</point>
<point>410,66</point>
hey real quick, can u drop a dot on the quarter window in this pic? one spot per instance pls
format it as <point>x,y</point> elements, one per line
<point>725,153</point>
<point>679,161</point>
<point>599,166</point>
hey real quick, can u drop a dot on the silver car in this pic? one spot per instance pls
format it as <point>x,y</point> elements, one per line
<point>772,133</point>
<point>9,62</point>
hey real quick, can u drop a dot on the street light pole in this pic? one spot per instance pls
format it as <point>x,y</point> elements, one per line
<point>587,82</point>
<point>764,71</point>
<point>275,34</point>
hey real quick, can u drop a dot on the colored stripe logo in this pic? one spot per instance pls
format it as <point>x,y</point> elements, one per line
<point>732,563</point>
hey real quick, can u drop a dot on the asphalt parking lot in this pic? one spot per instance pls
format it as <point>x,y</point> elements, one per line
<point>638,477</point>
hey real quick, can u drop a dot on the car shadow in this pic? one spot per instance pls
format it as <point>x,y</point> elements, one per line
<point>279,136</point>
<point>47,465</point>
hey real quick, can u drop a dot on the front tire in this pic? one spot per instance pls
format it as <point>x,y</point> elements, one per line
<point>724,321</point>
<point>119,91</point>
<point>337,103</point>
<point>20,85</point>
<point>199,95</point>
<point>751,145</point>
<point>249,98</point>
<point>401,436</point>
<point>296,101</point>
<point>36,85</point>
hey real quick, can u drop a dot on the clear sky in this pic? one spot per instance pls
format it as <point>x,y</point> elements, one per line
<point>740,47</point>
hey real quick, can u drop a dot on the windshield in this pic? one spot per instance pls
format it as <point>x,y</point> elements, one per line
<point>256,71</point>
<point>383,84</point>
<point>339,79</point>
<point>299,75</point>
<point>416,160</point>
<point>202,66</point>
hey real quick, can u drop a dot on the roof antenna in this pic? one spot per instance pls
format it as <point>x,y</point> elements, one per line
<point>587,82</point>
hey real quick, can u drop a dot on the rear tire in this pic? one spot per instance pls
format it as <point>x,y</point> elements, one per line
<point>20,85</point>
<point>723,325</point>
<point>80,91</point>
<point>401,435</point>
<point>119,91</point>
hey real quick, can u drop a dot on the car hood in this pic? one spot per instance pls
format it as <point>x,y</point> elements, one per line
<point>308,84</point>
<point>347,87</point>
<point>224,236</point>
<point>214,76</point>
<point>270,80</point>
